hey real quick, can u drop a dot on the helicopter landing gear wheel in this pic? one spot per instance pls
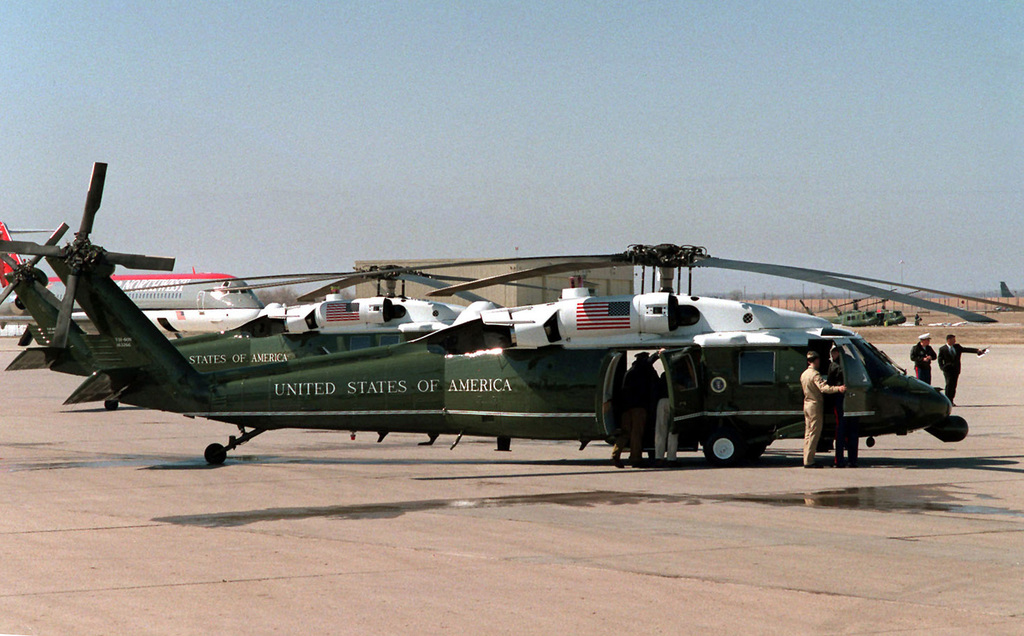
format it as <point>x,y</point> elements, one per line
<point>215,454</point>
<point>111,405</point>
<point>870,442</point>
<point>754,451</point>
<point>725,447</point>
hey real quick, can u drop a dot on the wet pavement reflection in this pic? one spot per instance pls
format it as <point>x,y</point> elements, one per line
<point>397,509</point>
<point>924,498</point>
<point>907,499</point>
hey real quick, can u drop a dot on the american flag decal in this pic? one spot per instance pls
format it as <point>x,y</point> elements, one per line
<point>602,315</point>
<point>341,312</point>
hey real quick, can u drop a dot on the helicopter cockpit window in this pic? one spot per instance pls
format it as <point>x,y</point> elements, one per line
<point>875,361</point>
<point>757,367</point>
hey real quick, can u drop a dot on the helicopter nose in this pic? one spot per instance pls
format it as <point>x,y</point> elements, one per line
<point>934,408</point>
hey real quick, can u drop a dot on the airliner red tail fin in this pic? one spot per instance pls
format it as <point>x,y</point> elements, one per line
<point>5,269</point>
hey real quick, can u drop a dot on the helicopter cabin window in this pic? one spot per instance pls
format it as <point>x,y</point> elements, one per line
<point>684,375</point>
<point>390,339</point>
<point>757,367</point>
<point>359,342</point>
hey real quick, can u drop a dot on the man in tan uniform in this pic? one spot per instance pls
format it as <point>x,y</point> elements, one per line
<point>815,386</point>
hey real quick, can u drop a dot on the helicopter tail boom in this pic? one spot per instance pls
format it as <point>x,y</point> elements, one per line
<point>136,364</point>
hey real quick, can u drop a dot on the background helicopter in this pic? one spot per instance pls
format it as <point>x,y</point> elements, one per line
<point>546,371</point>
<point>857,317</point>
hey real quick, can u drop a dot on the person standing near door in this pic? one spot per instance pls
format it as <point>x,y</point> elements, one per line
<point>638,394</point>
<point>846,430</point>
<point>815,387</point>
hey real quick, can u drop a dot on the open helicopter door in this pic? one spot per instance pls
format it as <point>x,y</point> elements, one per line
<point>685,396</point>
<point>855,375</point>
<point>612,371</point>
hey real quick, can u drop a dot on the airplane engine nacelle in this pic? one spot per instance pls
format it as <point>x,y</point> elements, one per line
<point>952,429</point>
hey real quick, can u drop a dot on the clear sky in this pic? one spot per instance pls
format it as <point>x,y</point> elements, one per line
<point>259,137</point>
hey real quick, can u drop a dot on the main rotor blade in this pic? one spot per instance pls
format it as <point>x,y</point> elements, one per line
<point>280,283</point>
<point>57,234</point>
<point>612,259</point>
<point>140,261</point>
<point>742,265</point>
<point>93,199</point>
<point>832,279</point>
<point>292,279</point>
<point>7,260</point>
<point>54,238</point>
<point>6,292</point>
<point>340,283</point>
<point>60,331</point>
<point>28,247</point>
<point>543,270</point>
<point>430,282</point>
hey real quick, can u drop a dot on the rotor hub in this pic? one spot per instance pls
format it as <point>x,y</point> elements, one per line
<point>25,273</point>
<point>82,255</point>
<point>665,255</point>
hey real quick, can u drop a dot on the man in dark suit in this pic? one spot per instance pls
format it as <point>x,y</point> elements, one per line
<point>949,362</point>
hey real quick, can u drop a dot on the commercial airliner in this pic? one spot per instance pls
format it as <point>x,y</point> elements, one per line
<point>176,303</point>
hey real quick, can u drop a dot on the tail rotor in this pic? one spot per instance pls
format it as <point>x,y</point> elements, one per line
<point>81,256</point>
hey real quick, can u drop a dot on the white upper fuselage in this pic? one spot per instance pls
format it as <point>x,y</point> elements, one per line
<point>362,315</point>
<point>581,321</point>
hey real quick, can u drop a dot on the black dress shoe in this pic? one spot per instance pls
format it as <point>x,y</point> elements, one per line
<point>812,465</point>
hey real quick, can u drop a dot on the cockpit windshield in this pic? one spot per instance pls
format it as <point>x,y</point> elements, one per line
<point>877,363</point>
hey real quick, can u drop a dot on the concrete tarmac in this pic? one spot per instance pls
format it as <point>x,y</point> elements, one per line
<point>111,522</point>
